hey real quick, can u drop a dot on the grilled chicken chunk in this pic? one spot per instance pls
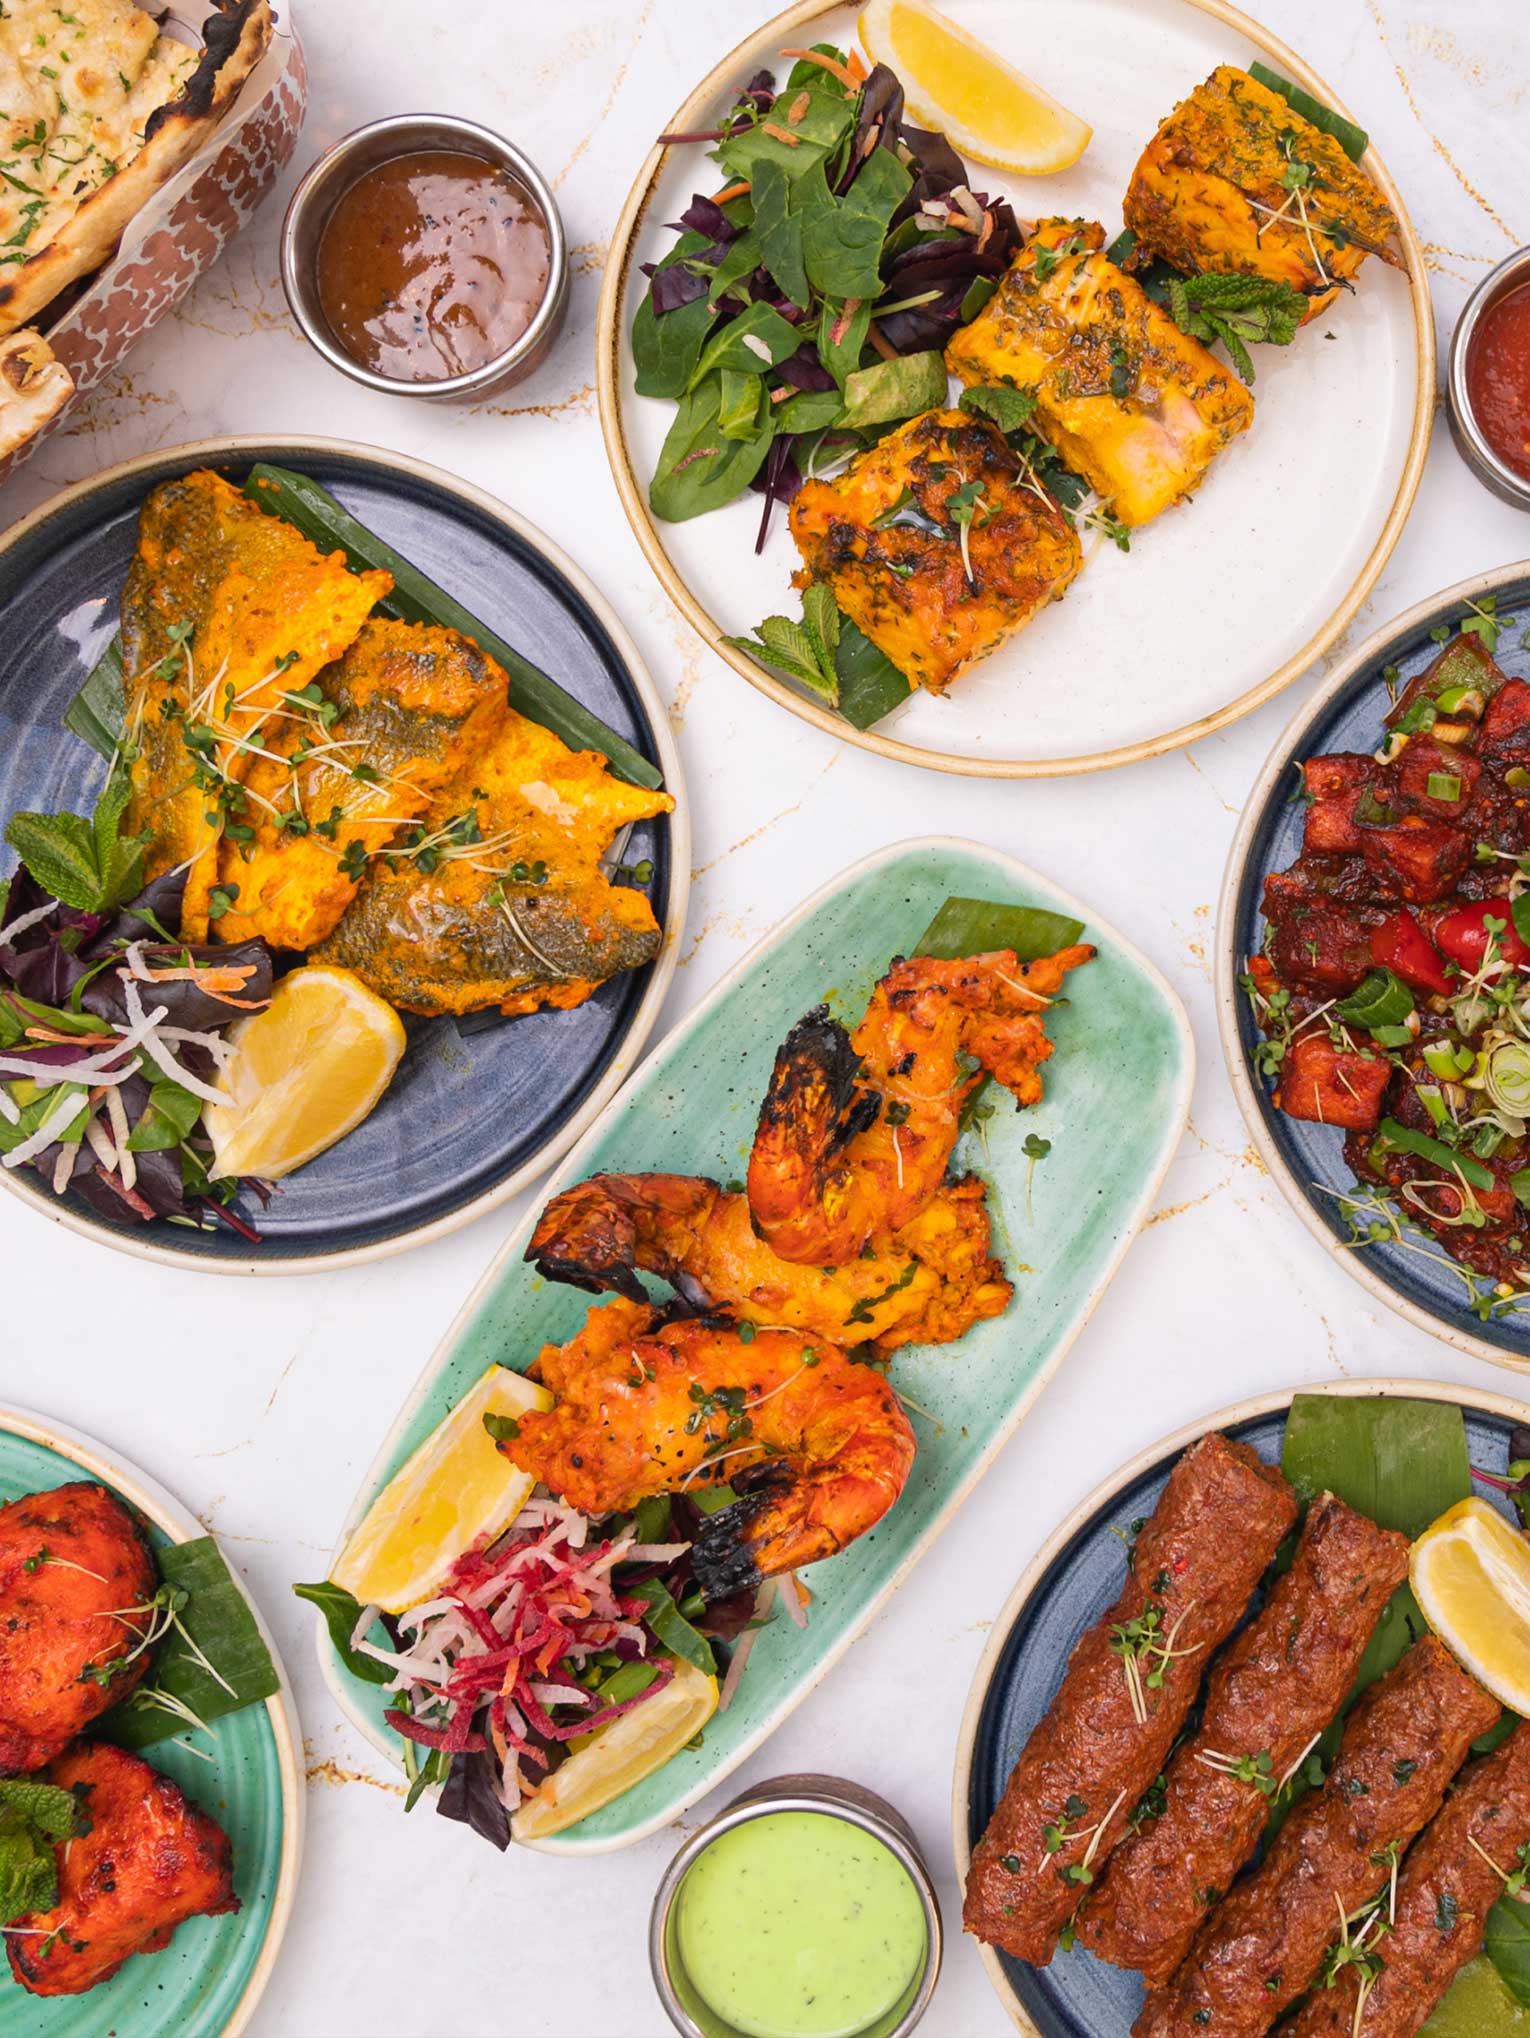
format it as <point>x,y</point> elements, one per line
<point>501,901</point>
<point>1236,180</point>
<point>400,715</point>
<point>936,544</point>
<point>149,1862</point>
<point>73,1566</point>
<point>224,610</point>
<point>1131,403</point>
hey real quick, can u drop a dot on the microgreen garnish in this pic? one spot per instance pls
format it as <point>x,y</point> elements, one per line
<point>1146,1652</point>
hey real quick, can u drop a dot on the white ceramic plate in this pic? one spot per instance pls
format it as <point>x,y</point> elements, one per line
<point>1220,603</point>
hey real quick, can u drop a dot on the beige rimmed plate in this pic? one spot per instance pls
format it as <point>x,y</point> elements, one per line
<point>1219,604</point>
<point>207,1982</point>
<point>1066,1587</point>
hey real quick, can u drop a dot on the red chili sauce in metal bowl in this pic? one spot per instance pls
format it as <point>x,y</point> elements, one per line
<point>432,265</point>
<point>1498,377</point>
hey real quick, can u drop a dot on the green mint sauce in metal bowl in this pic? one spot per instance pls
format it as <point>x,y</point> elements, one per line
<point>800,1925</point>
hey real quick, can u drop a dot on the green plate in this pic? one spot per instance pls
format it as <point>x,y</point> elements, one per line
<point>1117,1092</point>
<point>206,1982</point>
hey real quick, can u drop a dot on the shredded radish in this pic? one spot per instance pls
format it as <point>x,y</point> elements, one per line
<point>764,1599</point>
<point>55,1123</point>
<point>10,1111</point>
<point>116,1111</point>
<point>161,1056</point>
<point>25,920</point>
<point>794,1598</point>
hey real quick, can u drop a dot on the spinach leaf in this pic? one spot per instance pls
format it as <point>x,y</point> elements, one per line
<point>741,260</point>
<point>842,238</point>
<point>842,356</point>
<point>341,1612</point>
<point>810,410</point>
<point>825,121</point>
<point>738,404</point>
<point>888,391</point>
<point>699,469</point>
<point>778,224</point>
<point>166,1119</point>
<point>665,350</point>
<point>671,1628</point>
<point>757,339</point>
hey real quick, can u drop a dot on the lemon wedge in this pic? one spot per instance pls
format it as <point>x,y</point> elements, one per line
<point>619,1755</point>
<point>457,1488</point>
<point>1470,1573</point>
<point>305,1072</point>
<point>986,108</point>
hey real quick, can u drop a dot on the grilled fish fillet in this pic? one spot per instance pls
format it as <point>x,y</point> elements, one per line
<point>1236,180</point>
<point>501,901</point>
<point>402,713</point>
<point>224,610</point>
<point>1131,403</point>
<point>887,537</point>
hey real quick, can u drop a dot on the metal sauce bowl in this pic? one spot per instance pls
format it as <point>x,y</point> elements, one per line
<point>327,183</point>
<point>841,1799</point>
<point>1471,444</point>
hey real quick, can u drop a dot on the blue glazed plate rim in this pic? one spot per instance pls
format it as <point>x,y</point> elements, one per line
<point>622,1055</point>
<point>1064,1540</point>
<point>1359,673</point>
<point>176,1521</point>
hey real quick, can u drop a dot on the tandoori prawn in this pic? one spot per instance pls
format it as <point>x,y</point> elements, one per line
<point>857,1128</point>
<point>817,1446</point>
<point>927,1284</point>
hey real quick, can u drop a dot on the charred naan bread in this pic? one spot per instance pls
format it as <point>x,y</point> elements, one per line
<point>33,388</point>
<point>225,612</point>
<point>396,720</point>
<point>499,900</point>
<point>98,109</point>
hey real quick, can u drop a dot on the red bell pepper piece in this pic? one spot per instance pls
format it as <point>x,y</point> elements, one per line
<point>1464,938</point>
<point>1401,945</point>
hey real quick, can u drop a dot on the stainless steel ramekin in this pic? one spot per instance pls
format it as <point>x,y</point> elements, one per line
<point>842,1800</point>
<point>333,175</point>
<point>1464,429</point>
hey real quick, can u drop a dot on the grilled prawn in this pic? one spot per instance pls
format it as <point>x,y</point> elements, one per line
<point>856,1129</point>
<point>927,1284</point>
<point>818,1447</point>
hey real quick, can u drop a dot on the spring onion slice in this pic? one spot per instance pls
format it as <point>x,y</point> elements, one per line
<point>1405,1140</point>
<point>1382,999</point>
<point>1506,1077</point>
<point>417,599</point>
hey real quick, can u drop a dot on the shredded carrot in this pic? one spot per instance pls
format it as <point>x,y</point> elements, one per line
<point>884,347</point>
<point>798,107</point>
<point>781,134</point>
<point>732,191</point>
<point>834,69</point>
<point>209,977</point>
<point>841,325</point>
<point>857,68</point>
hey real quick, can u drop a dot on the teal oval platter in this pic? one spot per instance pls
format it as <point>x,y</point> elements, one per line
<point>1117,1095</point>
<point>207,1981</point>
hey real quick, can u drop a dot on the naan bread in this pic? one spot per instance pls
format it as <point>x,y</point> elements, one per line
<point>98,109</point>
<point>33,388</point>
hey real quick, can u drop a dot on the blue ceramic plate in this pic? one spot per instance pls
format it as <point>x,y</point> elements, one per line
<point>471,1115</point>
<point>1071,1585</point>
<point>1117,1090</point>
<point>1346,713</point>
<point>205,1984</point>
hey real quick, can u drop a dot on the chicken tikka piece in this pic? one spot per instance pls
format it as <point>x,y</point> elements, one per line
<point>1236,180</point>
<point>149,1861</point>
<point>225,610</point>
<point>936,544</point>
<point>499,900</point>
<point>1128,401</point>
<point>74,1566</point>
<point>390,725</point>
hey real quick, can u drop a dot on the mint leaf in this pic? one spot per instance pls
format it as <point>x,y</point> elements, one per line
<point>1009,409</point>
<point>89,865</point>
<point>32,1817</point>
<point>54,1812</point>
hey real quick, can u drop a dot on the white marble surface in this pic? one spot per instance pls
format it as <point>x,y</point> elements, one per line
<point>261,1405</point>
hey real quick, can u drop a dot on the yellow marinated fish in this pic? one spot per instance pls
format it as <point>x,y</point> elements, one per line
<point>225,610</point>
<point>1131,403</point>
<point>1235,180</point>
<point>497,898</point>
<point>936,544</point>
<point>389,726</point>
